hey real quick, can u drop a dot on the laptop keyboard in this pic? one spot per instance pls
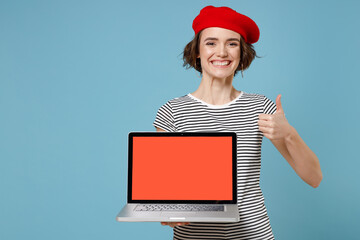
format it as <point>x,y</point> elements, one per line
<point>178,207</point>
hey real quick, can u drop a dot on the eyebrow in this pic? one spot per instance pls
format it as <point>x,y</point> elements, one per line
<point>229,39</point>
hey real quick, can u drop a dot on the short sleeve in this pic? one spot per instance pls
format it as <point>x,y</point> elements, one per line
<point>164,118</point>
<point>269,106</point>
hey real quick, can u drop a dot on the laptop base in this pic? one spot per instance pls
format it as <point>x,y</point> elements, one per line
<point>127,214</point>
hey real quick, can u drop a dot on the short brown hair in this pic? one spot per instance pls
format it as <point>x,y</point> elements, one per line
<point>191,51</point>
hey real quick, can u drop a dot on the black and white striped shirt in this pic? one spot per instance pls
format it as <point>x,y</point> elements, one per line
<point>190,114</point>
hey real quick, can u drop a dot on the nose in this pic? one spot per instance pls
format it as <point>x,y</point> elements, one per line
<point>221,51</point>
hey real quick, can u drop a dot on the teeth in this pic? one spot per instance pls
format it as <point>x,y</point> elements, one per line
<point>221,63</point>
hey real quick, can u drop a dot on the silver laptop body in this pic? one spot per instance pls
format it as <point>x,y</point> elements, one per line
<point>181,177</point>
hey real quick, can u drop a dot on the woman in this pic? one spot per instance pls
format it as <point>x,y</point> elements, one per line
<point>222,47</point>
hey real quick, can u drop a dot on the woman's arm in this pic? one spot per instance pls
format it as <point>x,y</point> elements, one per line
<point>159,129</point>
<point>291,146</point>
<point>300,157</point>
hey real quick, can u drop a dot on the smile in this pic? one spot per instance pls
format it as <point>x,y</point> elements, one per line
<point>220,63</point>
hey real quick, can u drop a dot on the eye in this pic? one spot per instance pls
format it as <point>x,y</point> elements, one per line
<point>233,44</point>
<point>210,43</point>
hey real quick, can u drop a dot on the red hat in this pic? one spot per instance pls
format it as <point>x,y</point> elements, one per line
<point>227,18</point>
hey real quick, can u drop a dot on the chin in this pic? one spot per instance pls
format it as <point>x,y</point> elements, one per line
<point>222,75</point>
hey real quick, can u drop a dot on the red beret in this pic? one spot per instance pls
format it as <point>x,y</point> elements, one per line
<point>227,18</point>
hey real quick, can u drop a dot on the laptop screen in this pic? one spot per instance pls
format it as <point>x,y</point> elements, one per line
<point>182,167</point>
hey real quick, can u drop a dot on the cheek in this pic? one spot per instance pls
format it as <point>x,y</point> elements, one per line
<point>236,55</point>
<point>205,53</point>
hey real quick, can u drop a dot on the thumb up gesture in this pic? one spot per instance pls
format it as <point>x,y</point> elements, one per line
<point>275,126</point>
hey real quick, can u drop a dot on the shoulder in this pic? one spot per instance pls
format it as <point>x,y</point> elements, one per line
<point>266,105</point>
<point>254,96</point>
<point>178,101</point>
<point>182,99</point>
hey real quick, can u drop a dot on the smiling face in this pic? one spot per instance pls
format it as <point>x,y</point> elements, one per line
<point>219,52</point>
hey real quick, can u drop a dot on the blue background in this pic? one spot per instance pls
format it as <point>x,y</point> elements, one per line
<point>77,76</point>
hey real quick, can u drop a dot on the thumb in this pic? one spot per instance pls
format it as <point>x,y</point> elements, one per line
<point>279,108</point>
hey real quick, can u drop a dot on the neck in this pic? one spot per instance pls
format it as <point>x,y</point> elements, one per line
<point>216,91</point>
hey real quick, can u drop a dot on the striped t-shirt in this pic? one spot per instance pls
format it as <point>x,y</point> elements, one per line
<point>190,114</point>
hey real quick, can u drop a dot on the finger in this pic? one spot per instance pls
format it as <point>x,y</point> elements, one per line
<point>173,224</point>
<point>267,117</point>
<point>278,104</point>
<point>263,123</point>
<point>266,130</point>
<point>180,224</point>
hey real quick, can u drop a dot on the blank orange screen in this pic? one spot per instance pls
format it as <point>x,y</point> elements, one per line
<point>182,168</point>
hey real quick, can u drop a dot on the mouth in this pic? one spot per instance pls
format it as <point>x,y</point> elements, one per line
<point>221,64</point>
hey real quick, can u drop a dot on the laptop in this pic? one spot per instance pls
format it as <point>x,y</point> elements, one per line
<point>181,177</point>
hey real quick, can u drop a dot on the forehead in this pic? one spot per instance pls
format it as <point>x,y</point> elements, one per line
<point>220,33</point>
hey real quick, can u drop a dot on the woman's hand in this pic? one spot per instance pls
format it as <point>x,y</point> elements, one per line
<point>291,146</point>
<point>275,126</point>
<point>173,224</point>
